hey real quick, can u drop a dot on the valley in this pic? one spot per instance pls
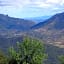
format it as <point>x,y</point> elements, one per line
<point>51,31</point>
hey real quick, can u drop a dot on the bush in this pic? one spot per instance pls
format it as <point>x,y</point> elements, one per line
<point>3,58</point>
<point>29,51</point>
<point>61,58</point>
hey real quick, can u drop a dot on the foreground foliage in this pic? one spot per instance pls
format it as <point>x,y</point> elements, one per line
<point>3,58</point>
<point>29,51</point>
<point>61,58</point>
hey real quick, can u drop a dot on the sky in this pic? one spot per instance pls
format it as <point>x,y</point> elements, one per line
<point>31,8</point>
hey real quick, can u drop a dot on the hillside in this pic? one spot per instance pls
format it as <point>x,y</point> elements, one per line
<point>52,30</point>
<point>55,22</point>
<point>12,30</point>
<point>7,22</point>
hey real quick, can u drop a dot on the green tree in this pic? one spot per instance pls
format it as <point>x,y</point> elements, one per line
<point>30,51</point>
<point>61,58</point>
<point>3,58</point>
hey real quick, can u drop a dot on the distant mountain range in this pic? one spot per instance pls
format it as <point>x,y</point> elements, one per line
<point>39,19</point>
<point>51,31</point>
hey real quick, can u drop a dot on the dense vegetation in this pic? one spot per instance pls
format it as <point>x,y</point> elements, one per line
<point>3,58</point>
<point>29,51</point>
<point>61,58</point>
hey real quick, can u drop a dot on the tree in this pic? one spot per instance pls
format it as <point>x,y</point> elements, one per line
<point>61,58</point>
<point>3,58</point>
<point>30,51</point>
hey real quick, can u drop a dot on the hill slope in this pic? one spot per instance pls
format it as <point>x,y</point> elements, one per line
<point>55,22</point>
<point>52,30</point>
<point>7,22</point>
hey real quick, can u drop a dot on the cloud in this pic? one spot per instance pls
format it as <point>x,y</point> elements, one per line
<point>32,3</point>
<point>53,1</point>
<point>4,3</point>
<point>32,6</point>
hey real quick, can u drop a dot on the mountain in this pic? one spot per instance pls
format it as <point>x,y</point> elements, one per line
<point>55,22</point>
<point>7,22</point>
<point>39,19</point>
<point>51,30</point>
<point>12,30</point>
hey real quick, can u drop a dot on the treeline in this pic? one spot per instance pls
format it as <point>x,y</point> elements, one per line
<point>29,51</point>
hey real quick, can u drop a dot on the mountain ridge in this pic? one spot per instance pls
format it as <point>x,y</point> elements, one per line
<point>7,22</point>
<point>51,31</point>
<point>56,18</point>
<point>39,19</point>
